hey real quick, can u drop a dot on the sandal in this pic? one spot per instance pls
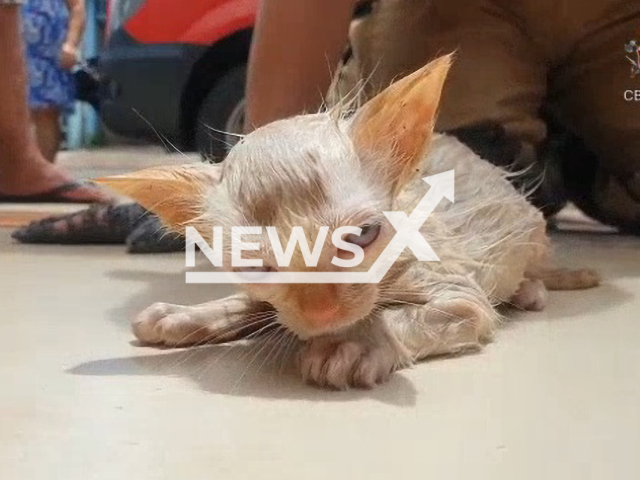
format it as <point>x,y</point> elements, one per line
<point>55,195</point>
<point>99,224</point>
<point>129,223</point>
<point>150,236</point>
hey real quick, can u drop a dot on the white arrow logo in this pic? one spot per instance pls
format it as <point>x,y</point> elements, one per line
<point>407,235</point>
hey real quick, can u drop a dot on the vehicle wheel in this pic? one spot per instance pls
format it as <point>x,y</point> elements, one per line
<point>221,115</point>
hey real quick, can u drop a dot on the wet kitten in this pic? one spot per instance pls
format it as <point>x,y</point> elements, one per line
<point>317,170</point>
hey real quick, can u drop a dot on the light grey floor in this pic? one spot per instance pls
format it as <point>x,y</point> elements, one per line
<point>557,396</point>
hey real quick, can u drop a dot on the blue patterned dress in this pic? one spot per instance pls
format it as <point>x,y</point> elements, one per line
<point>45,24</point>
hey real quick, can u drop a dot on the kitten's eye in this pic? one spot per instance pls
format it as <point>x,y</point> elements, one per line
<point>253,273</point>
<point>367,236</point>
<point>265,268</point>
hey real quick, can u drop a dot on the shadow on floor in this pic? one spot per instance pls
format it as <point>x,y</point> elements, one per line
<point>247,369</point>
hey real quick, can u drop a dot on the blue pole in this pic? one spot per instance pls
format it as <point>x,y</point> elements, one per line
<point>83,125</point>
<point>91,50</point>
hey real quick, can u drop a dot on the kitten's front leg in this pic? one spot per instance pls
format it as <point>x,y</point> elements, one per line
<point>363,356</point>
<point>219,321</point>
<point>450,316</point>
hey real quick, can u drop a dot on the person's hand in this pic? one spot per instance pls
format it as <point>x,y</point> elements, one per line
<point>68,56</point>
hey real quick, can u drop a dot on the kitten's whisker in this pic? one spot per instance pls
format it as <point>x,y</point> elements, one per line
<point>289,349</point>
<point>226,144</point>
<point>213,337</point>
<point>222,132</point>
<point>248,337</point>
<point>221,333</point>
<point>276,345</point>
<point>162,138</point>
<point>265,342</point>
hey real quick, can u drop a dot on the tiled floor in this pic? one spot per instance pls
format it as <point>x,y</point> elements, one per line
<point>557,396</point>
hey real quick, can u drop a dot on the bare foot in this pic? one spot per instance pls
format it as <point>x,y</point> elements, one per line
<point>39,176</point>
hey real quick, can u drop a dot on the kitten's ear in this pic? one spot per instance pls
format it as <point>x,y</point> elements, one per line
<point>175,193</point>
<point>400,120</point>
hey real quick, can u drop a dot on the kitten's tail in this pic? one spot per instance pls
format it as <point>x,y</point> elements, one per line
<point>564,279</point>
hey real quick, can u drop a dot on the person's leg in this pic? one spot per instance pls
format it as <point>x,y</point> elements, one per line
<point>23,169</point>
<point>497,75</point>
<point>17,152</point>
<point>295,48</point>
<point>593,94</point>
<point>48,132</point>
<point>495,89</point>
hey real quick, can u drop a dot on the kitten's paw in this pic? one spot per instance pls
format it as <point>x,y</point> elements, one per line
<point>167,324</point>
<point>340,364</point>
<point>532,296</point>
<point>469,321</point>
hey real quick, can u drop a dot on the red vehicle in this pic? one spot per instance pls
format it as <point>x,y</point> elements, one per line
<point>176,69</point>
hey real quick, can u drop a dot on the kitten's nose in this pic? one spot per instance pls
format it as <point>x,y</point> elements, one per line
<point>322,317</point>
<point>319,306</point>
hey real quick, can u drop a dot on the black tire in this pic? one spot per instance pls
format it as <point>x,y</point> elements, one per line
<point>221,111</point>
